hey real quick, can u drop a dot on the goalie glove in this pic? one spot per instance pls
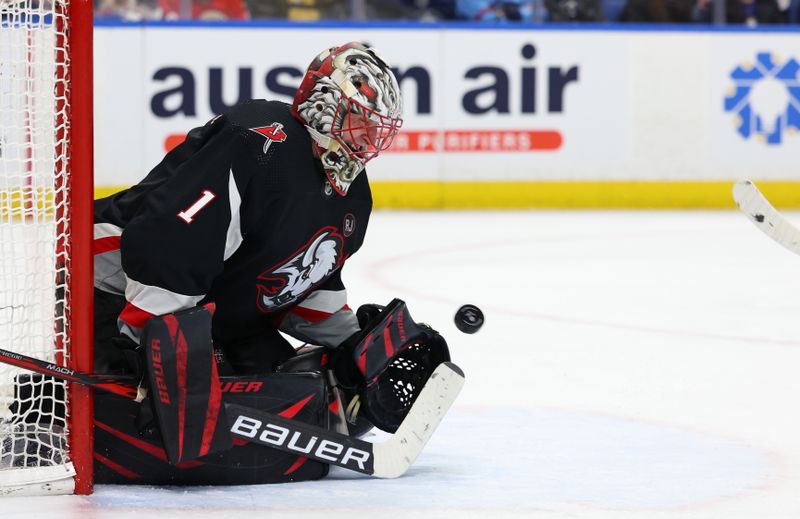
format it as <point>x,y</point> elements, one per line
<point>388,362</point>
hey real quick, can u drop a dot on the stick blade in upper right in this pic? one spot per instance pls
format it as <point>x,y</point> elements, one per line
<point>764,216</point>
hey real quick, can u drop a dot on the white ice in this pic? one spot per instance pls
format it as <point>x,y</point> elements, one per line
<point>633,365</point>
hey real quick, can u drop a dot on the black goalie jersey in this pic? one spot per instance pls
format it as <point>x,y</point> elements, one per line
<point>241,215</point>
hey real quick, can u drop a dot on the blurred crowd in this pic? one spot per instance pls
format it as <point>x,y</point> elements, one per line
<point>749,12</point>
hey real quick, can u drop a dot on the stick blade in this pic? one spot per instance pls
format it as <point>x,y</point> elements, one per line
<point>388,459</point>
<point>394,456</point>
<point>764,216</point>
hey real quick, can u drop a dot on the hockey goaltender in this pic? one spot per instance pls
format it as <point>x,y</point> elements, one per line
<point>239,234</point>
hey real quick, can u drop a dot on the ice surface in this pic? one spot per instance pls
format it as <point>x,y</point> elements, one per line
<point>632,365</point>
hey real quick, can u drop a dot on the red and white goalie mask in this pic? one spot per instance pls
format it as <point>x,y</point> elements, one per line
<point>350,103</point>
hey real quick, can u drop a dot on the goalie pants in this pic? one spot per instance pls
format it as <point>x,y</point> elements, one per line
<point>245,355</point>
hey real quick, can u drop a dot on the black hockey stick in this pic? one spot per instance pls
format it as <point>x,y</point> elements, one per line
<point>772,223</point>
<point>123,386</point>
<point>388,459</point>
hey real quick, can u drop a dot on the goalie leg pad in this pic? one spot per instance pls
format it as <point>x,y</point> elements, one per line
<point>184,384</point>
<point>126,454</point>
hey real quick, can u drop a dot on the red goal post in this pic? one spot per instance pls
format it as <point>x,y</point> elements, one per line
<point>46,216</point>
<point>81,17</point>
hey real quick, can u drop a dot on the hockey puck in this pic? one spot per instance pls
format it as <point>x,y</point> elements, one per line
<point>469,319</point>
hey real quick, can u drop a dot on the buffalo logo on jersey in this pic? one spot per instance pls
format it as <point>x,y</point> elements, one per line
<point>272,133</point>
<point>309,266</point>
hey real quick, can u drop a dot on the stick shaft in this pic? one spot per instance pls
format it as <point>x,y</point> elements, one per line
<point>106,383</point>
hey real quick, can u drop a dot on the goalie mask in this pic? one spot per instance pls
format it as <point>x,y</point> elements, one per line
<point>349,101</point>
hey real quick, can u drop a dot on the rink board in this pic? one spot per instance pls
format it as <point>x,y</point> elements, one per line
<point>503,117</point>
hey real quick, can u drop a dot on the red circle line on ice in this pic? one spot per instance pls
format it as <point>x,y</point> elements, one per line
<point>376,270</point>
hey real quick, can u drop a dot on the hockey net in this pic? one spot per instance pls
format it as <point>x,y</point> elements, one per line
<point>45,432</point>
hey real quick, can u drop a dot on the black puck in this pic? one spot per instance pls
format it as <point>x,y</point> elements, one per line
<point>469,319</point>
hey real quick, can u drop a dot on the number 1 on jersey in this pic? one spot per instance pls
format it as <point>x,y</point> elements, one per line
<point>188,214</point>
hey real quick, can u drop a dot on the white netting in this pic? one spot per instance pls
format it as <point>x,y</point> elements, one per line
<point>32,223</point>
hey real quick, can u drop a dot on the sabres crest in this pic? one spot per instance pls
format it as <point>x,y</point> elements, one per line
<point>306,269</point>
<point>272,133</point>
